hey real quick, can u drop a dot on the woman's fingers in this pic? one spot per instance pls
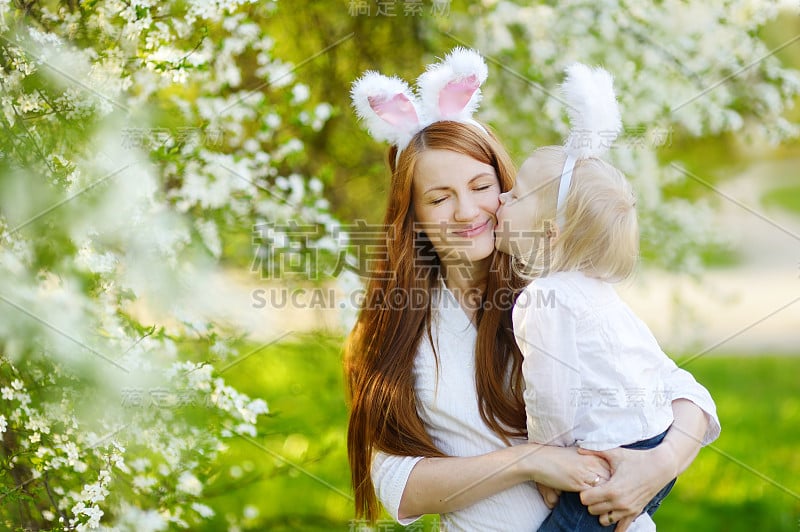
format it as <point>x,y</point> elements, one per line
<point>636,479</point>
<point>598,478</point>
<point>563,468</point>
<point>598,508</point>
<point>591,471</point>
<point>611,456</point>
<point>550,495</point>
<point>623,525</point>
<point>597,472</point>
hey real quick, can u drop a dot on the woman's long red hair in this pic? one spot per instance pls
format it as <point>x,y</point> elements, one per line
<point>379,354</point>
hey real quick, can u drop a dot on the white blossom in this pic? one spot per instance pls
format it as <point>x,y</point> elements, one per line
<point>323,111</point>
<point>203,510</point>
<point>273,121</point>
<point>188,483</point>
<point>300,93</point>
<point>144,483</point>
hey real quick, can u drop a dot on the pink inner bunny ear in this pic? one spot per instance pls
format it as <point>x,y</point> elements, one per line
<point>398,111</point>
<point>456,94</point>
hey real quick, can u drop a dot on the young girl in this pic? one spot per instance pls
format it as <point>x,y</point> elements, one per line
<point>595,377</point>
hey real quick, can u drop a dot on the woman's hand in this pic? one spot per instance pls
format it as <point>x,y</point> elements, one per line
<point>638,475</point>
<point>562,468</point>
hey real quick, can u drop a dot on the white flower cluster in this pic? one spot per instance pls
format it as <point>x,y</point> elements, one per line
<point>127,159</point>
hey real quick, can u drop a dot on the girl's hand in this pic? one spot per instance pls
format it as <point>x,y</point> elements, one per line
<point>638,475</point>
<point>562,468</point>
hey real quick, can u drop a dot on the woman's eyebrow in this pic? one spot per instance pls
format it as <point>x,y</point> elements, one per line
<point>473,178</point>
<point>482,174</point>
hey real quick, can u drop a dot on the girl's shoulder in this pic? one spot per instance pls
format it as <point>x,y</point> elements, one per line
<point>558,292</point>
<point>574,282</point>
<point>566,282</point>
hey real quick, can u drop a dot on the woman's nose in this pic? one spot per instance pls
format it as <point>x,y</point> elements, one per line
<point>467,209</point>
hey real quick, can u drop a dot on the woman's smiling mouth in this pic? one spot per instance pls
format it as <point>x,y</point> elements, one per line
<point>474,230</point>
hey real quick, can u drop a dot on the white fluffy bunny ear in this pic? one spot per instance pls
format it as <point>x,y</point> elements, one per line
<point>450,90</point>
<point>593,111</point>
<point>387,106</point>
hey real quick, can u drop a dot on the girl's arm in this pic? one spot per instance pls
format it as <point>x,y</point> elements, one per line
<point>440,485</point>
<point>639,474</point>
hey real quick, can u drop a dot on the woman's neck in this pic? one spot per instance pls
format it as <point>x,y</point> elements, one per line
<point>467,282</point>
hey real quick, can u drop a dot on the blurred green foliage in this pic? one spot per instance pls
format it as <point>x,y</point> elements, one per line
<point>786,197</point>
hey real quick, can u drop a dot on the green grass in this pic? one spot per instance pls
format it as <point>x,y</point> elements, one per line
<point>741,482</point>
<point>786,197</point>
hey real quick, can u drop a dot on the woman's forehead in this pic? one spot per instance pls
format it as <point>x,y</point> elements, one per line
<point>447,168</point>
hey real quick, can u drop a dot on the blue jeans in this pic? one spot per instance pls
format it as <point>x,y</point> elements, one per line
<point>571,515</point>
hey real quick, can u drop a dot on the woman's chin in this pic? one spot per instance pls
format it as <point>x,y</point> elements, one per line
<point>484,247</point>
<point>473,251</point>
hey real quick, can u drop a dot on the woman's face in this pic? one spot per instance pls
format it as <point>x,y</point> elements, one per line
<point>455,198</point>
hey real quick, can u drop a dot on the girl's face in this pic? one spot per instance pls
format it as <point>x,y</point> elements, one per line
<point>518,220</point>
<point>454,199</point>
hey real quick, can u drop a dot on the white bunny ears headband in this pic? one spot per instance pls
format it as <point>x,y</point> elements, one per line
<point>594,119</point>
<point>448,90</point>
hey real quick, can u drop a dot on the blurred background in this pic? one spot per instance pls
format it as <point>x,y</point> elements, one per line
<point>187,204</point>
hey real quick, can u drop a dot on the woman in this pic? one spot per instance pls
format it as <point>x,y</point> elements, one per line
<point>437,421</point>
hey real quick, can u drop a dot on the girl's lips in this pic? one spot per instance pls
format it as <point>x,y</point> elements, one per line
<point>474,231</point>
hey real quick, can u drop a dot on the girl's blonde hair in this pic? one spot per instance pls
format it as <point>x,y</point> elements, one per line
<point>600,236</point>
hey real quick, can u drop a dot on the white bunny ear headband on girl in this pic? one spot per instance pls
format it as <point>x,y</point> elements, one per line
<point>448,90</point>
<point>594,121</point>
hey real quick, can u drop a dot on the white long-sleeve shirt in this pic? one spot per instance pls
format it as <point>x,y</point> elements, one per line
<point>448,405</point>
<point>594,374</point>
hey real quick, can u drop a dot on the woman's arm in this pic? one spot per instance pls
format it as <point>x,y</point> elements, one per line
<point>682,385</point>
<point>439,485</point>
<point>638,475</point>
